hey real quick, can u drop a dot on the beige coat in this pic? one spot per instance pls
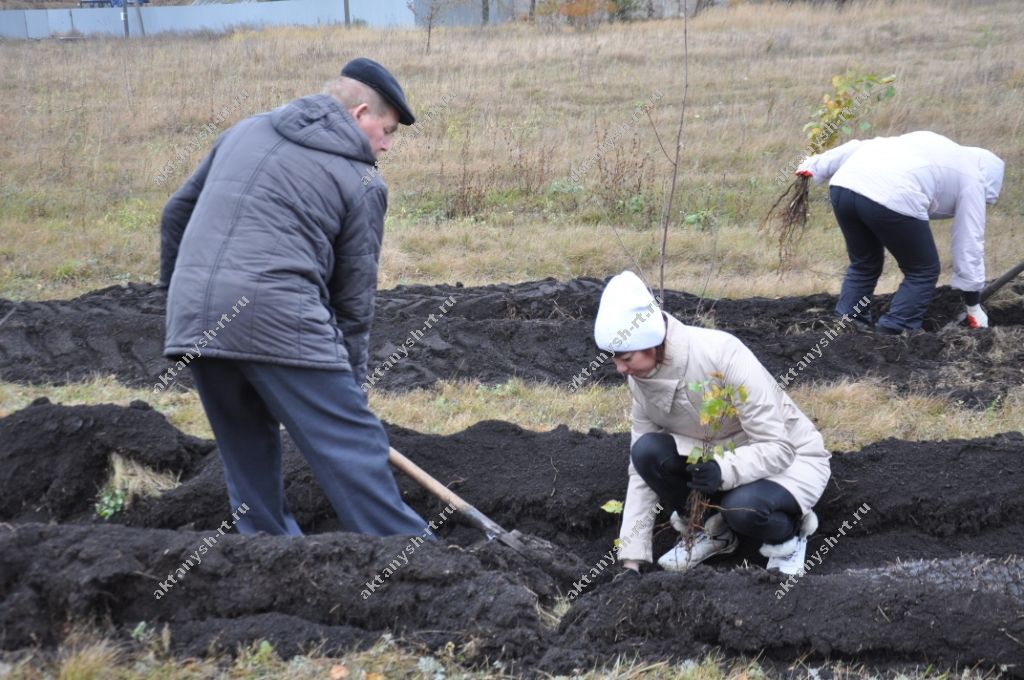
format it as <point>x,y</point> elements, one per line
<point>773,438</point>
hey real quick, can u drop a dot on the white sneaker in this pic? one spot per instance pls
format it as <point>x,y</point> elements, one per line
<point>715,539</point>
<point>790,557</point>
<point>787,558</point>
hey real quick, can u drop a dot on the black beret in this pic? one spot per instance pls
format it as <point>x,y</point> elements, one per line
<point>380,79</point>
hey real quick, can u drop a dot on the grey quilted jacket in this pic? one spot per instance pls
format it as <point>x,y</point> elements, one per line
<point>270,249</point>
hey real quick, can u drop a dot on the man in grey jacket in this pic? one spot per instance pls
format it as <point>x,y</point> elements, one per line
<point>269,252</point>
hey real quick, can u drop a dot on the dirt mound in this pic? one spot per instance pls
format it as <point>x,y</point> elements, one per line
<point>539,331</point>
<point>888,581</point>
<point>56,458</point>
<point>299,593</point>
<point>895,522</point>
<point>925,500</point>
<point>222,589</point>
<point>961,611</point>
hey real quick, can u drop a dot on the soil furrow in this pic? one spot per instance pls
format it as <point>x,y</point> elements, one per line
<point>539,331</point>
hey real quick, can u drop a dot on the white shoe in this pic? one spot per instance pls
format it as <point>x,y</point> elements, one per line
<point>789,558</point>
<point>715,539</point>
<point>786,558</point>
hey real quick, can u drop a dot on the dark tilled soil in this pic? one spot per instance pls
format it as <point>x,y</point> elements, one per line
<point>539,331</point>
<point>925,612</point>
<point>926,500</point>
<point>292,592</point>
<point>55,459</point>
<point>301,593</point>
<point>892,589</point>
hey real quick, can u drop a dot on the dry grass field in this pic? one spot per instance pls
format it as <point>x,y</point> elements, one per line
<point>482,192</point>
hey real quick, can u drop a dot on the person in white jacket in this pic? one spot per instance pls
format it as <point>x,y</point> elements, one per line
<point>766,486</point>
<point>883,192</point>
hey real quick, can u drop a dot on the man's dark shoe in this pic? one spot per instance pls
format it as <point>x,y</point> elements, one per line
<point>836,324</point>
<point>625,574</point>
<point>885,330</point>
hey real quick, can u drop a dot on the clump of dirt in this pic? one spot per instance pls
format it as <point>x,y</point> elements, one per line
<point>56,477</point>
<point>538,331</point>
<point>115,331</point>
<point>56,458</point>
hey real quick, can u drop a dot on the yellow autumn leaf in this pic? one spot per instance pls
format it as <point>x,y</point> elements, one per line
<point>613,506</point>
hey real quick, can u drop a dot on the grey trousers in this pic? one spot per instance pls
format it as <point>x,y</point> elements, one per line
<point>327,416</point>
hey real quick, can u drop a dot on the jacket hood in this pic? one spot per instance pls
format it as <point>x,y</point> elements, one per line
<point>992,168</point>
<point>319,122</point>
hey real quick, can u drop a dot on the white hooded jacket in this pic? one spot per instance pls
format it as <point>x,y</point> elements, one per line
<point>926,176</point>
<point>774,440</point>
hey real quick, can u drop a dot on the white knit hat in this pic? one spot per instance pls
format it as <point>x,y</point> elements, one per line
<point>628,318</point>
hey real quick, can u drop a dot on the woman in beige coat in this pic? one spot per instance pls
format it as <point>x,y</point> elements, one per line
<point>765,487</point>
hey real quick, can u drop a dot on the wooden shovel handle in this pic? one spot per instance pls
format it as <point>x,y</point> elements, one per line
<point>421,477</point>
<point>478,519</point>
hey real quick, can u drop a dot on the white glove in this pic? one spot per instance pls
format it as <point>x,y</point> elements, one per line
<point>678,523</point>
<point>975,317</point>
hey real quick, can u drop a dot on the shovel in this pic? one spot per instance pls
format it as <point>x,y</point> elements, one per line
<point>1001,281</point>
<point>475,517</point>
<point>991,288</point>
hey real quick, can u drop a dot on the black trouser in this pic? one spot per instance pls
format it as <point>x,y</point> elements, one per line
<point>762,510</point>
<point>870,229</point>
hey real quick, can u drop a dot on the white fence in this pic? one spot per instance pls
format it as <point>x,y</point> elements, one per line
<point>46,23</point>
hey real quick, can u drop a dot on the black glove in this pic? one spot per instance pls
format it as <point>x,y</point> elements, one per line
<point>705,477</point>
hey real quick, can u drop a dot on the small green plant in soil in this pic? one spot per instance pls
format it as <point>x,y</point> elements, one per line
<point>718,405</point>
<point>110,502</point>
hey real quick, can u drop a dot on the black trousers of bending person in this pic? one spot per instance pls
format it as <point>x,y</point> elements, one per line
<point>762,510</point>
<point>869,230</point>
